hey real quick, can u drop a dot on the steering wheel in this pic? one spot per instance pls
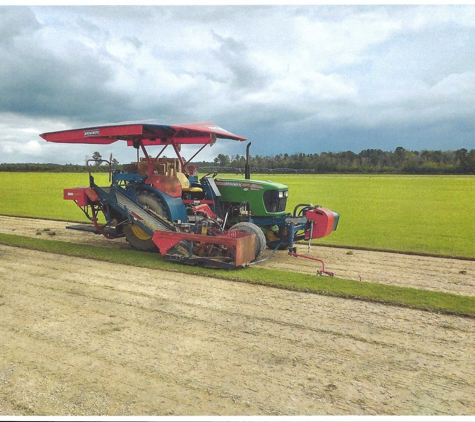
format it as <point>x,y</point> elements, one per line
<point>214,174</point>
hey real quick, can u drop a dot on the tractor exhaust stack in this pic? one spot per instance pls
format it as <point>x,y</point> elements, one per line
<point>247,169</point>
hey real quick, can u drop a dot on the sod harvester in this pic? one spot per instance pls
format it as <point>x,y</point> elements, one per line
<point>160,203</point>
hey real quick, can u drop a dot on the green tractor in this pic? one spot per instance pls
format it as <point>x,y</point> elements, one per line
<point>262,203</point>
<point>161,203</point>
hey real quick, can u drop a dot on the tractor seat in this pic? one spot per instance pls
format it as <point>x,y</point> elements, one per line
<point>192,190</point>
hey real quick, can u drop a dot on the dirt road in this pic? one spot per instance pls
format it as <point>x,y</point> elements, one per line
<point>446,275</point>
<point>81,337</point>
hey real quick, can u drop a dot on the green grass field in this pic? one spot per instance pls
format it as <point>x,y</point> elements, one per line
<point>418,214</point>
<point>41,194</point>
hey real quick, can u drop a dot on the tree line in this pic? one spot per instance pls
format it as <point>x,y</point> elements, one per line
<point>53,168</point>
<point>399,161</point>
<point>96,162</point>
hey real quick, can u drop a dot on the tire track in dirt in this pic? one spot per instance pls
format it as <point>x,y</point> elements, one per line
<point>91,338</point>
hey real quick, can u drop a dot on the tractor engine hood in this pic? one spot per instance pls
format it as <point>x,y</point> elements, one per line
<point>266,198</point>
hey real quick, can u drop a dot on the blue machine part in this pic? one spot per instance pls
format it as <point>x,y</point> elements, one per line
<point>175,207</point>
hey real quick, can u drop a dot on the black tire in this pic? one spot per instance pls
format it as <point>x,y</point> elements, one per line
<point>273,243</point>
<point>260,237</point>
<point>138,238</point>
<point>273,239</point>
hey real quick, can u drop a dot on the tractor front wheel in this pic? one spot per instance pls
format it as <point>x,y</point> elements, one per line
<point>251,228</point>
<point>138,238</point>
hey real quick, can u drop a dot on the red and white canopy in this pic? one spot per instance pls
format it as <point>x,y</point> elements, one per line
<point>149,134</point>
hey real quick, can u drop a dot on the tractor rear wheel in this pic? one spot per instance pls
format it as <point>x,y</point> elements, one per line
<point>251,228</point>
<point>138,238</point>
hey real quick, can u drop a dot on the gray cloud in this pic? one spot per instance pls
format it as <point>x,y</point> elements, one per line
<point>36,81</point>
<point>243,73</point>
<point>289,78</point>
<point>15,22</point>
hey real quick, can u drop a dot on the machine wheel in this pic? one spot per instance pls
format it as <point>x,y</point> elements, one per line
<point>260,237</point>
<point>272,245</point>
<point>138,238</point>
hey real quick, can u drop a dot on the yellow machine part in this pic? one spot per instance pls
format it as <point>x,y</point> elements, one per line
<point>141,234</point>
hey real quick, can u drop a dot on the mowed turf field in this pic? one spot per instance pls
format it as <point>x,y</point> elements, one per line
<point>417,214</point>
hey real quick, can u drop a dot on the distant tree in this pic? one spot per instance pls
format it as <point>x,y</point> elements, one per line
<point>463,161</point>
<point>97,157</point>
<point>222,160</point>
<point>400,156</point>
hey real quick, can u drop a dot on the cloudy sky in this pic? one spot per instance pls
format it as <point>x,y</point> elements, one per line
<point>309,78</point>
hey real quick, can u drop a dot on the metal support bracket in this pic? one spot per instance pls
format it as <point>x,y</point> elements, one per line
<point>293,252</point>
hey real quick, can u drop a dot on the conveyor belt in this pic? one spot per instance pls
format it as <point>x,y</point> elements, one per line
<point>152,221</point>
